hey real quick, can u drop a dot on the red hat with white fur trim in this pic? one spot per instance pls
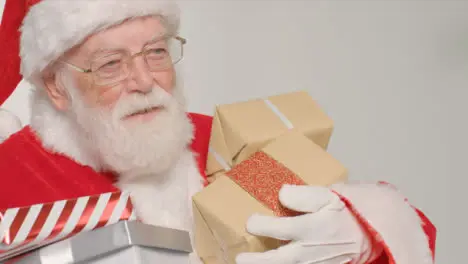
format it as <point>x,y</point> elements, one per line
<point>34,33</point>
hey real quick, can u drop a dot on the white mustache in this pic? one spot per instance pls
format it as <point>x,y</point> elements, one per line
<point>134,103</point>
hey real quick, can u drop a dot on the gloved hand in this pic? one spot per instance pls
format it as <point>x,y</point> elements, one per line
<point>327,234</point>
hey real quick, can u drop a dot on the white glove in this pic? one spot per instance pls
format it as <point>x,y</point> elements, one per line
<point>327,234</point>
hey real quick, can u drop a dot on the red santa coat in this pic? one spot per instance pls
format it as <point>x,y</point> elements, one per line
<point>31,174</point>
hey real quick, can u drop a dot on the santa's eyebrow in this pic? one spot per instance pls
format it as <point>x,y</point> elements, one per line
<point>115,49</point>
<point>157,37</point>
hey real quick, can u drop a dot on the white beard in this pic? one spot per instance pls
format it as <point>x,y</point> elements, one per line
<point>135,149</point>
<point>152,160</point>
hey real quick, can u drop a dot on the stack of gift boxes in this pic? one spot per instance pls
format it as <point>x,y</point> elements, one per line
<point>101,228</point>
<point>26,228</point>
<point>257,146</point>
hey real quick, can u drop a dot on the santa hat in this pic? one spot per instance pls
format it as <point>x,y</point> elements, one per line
<point>34,33</point>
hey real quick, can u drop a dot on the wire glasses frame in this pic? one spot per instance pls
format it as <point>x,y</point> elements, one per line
<point>113,67</point>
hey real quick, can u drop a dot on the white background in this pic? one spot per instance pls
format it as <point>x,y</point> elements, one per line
<point>392,74</point>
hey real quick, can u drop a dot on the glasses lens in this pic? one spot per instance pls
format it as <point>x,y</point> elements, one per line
<point>109,68</point>
<point>163,53</point>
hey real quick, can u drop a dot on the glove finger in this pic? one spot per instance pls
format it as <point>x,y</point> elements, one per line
<point>282,228</point>
<point>287,254</point>
<point>309,199</point>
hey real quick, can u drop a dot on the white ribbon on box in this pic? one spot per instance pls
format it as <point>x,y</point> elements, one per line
<point>276,111</point>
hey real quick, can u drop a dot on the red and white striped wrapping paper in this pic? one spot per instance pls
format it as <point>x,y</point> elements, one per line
<point>26,228</point>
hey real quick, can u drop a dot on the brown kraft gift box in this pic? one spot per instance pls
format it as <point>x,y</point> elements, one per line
<point>223,207</point>
<point>241,129</point>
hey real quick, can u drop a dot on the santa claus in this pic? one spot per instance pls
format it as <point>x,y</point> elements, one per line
<point>108,112</point>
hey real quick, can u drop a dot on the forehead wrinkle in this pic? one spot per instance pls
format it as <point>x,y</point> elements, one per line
<point>131,40</point>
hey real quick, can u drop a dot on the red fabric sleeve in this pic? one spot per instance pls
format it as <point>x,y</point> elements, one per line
<point>430,230</point>
<point>30,174</point>
<point>201,141</point>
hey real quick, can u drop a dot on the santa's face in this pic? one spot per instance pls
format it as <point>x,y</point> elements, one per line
<point>116,74</point>
<point>138,125</point>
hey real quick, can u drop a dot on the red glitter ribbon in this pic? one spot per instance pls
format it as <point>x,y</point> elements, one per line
<point>23,229</point>
<point>262,177</point>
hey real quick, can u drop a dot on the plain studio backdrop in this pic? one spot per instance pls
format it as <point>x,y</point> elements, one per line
<point>392,75</point>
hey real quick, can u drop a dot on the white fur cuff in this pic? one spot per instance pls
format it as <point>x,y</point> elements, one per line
<point>395,223</point>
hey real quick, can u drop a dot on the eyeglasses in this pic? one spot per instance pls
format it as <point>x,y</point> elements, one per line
<point>112,67</point>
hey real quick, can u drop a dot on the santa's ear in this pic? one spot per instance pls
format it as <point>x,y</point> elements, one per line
<point>56,90</point>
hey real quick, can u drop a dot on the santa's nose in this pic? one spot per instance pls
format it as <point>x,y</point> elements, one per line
<point>142,80</point>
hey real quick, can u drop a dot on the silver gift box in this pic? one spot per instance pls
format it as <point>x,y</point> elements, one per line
<point>124,242</point>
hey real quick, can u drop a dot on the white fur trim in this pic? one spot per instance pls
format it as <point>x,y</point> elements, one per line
<point>17,101</point>
<point>54,26</point>
<point>58,132</point>
<point>398,225</point>
<point>166,201</point>
<point>9,124</point>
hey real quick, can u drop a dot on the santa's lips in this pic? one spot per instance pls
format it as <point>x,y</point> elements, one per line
<point>144,112</point>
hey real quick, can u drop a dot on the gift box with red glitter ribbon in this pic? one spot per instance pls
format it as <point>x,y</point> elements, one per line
<point>221,210</point>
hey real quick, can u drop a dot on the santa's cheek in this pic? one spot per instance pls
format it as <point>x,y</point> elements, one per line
<point>108,96</point>
<point>165,80</point>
